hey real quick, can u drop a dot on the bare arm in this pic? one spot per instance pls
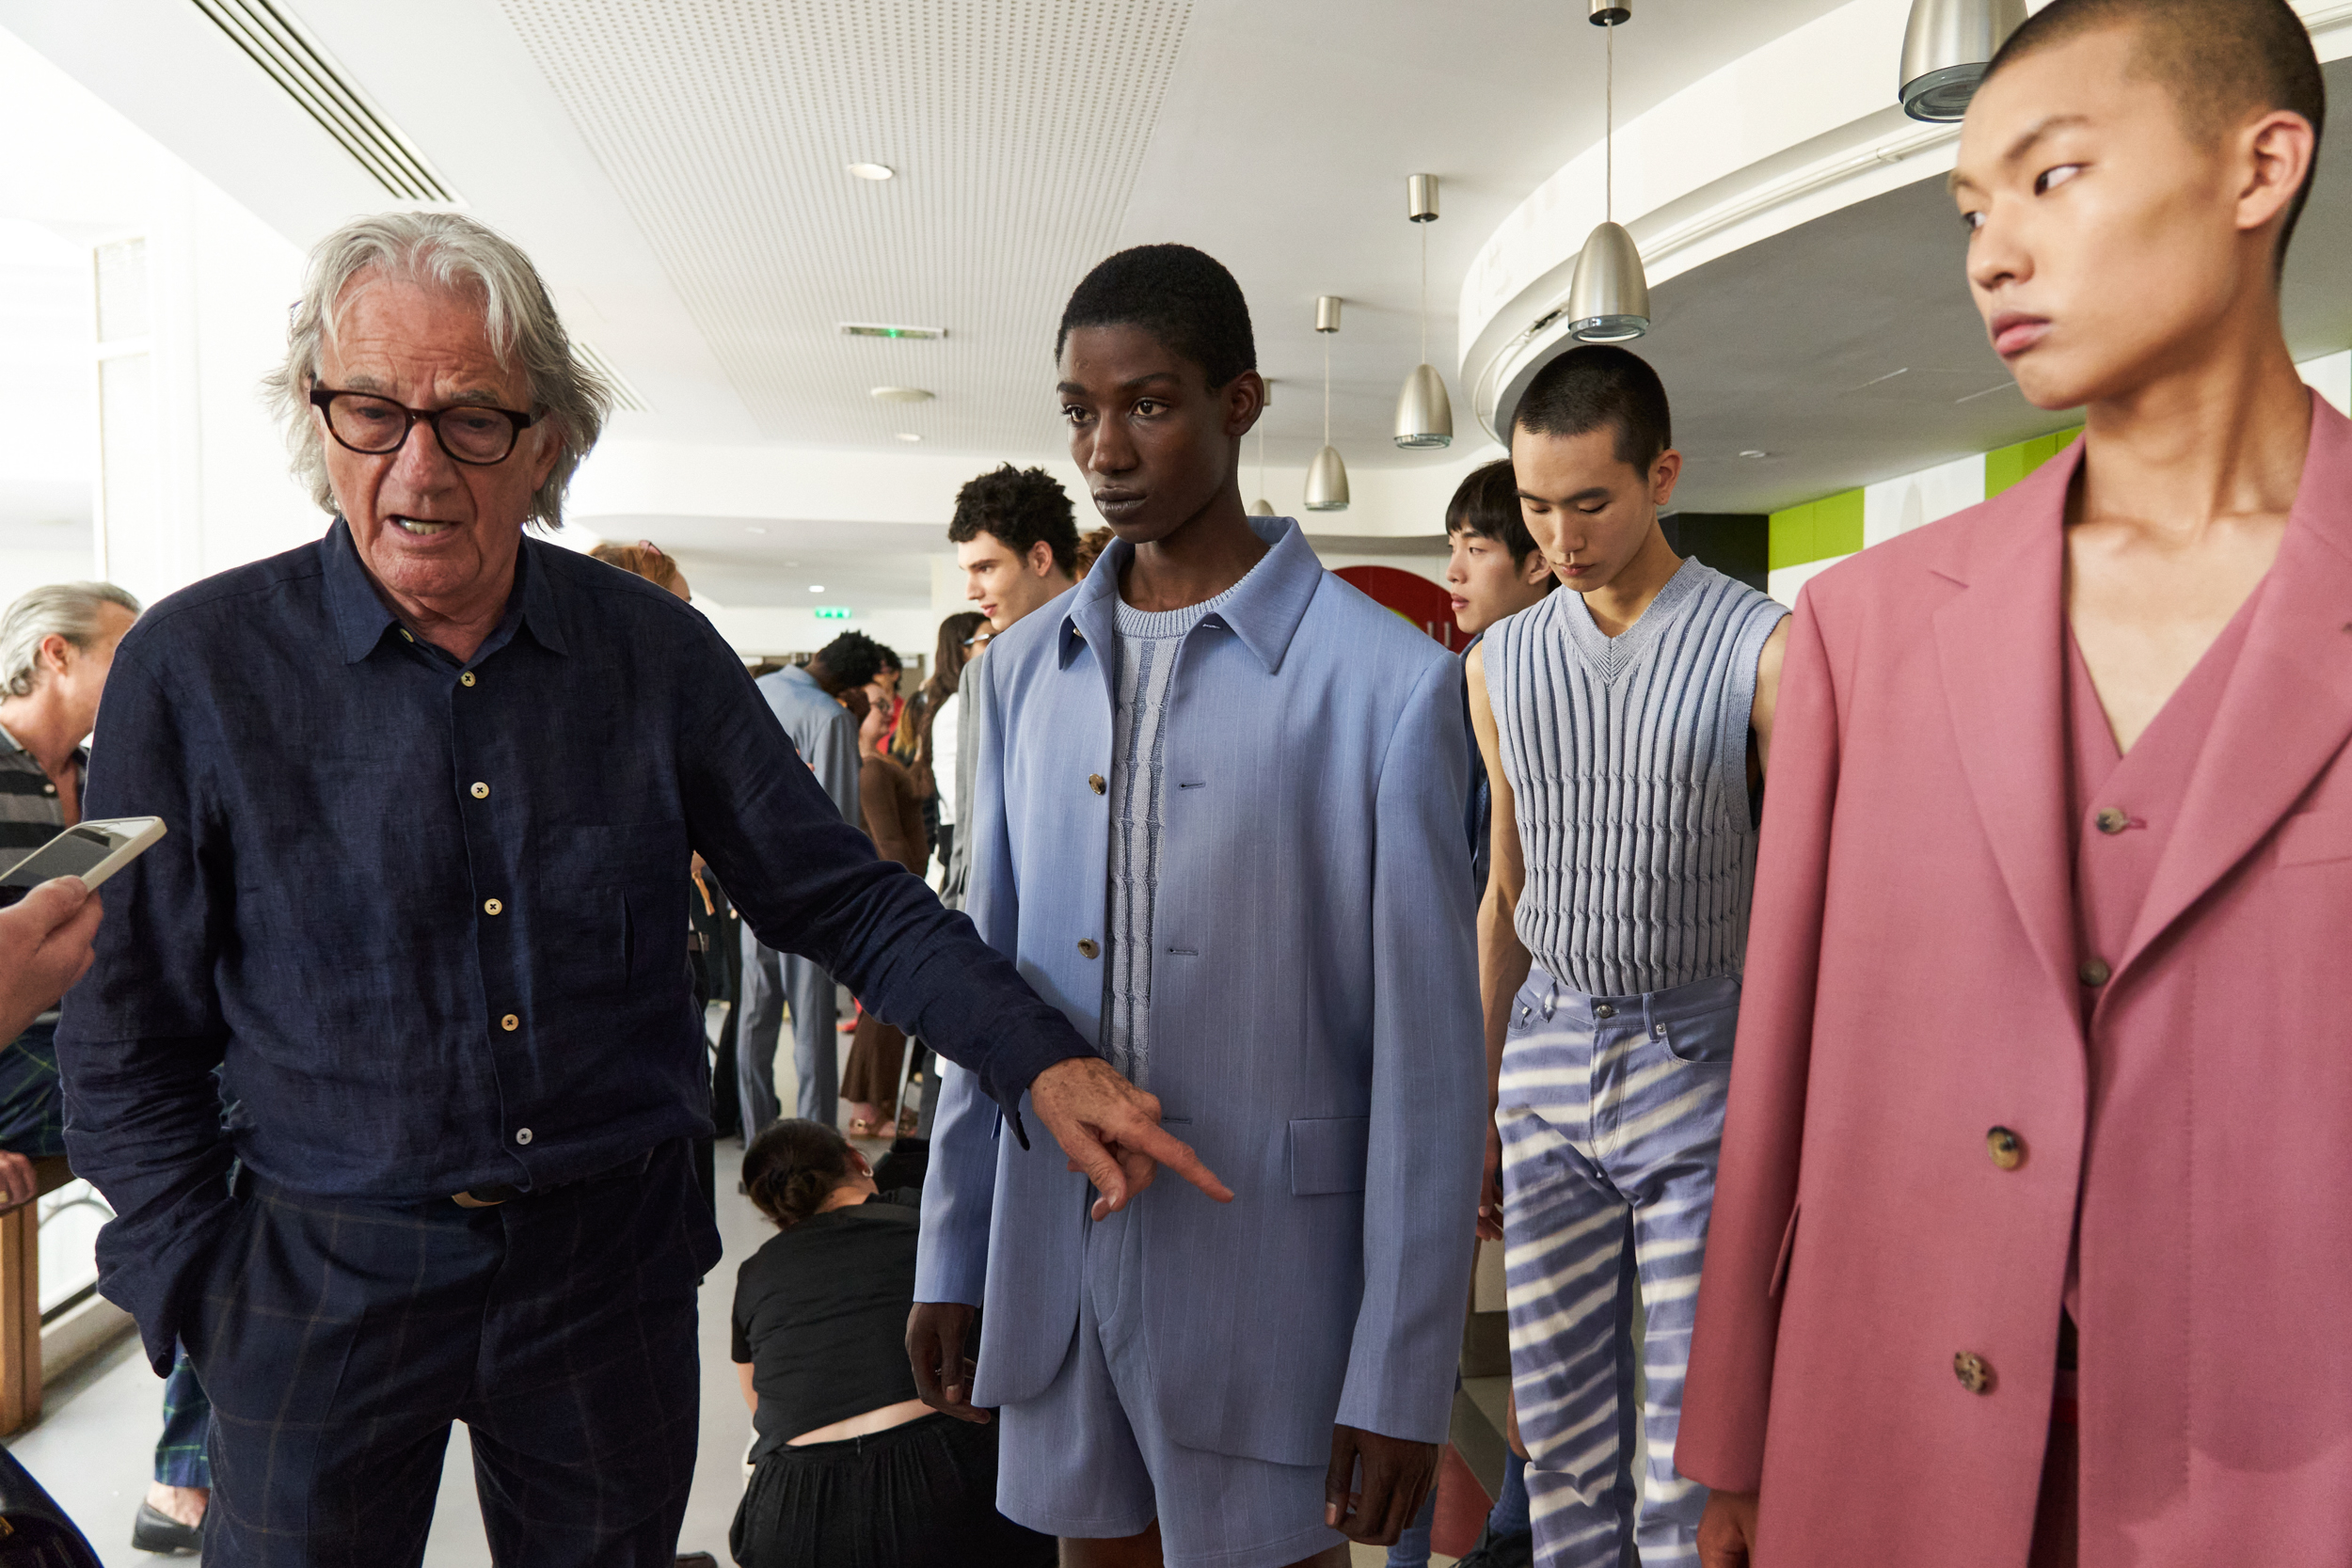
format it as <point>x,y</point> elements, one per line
<point>1768,692</point>
<point>1503,959</point>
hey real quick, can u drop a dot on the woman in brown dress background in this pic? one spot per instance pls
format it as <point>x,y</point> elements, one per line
<point>893,821</point>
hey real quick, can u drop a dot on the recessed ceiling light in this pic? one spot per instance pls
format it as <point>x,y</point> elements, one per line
<point>815,587</point>
<point>900,394</point>
<point>1753,452</point>
<point>909,436</point>
<point>872,171</point>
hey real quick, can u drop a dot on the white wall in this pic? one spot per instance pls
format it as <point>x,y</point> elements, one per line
<point>219,283</point>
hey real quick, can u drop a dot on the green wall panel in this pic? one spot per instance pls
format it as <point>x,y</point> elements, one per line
<point>1818,530</point>
<point>2009,465</point>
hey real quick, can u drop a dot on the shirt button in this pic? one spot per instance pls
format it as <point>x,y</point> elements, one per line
<point>1973,1371</point>
<point>481,791</point>
<point>2007,1148</point>
<point>522,1135</point>
<point>1089,948</point>
<point>49,789</point>
<point>510,1023</point>
<point>2112,821</point>
<point>405,636</point>
<point>1094,782</point>
<point>491,906</point>
<point>1604,1010</point>
<point>2094,972</point>
<point>466,679</point>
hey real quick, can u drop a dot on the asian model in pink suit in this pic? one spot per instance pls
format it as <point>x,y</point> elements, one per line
<point>1933,1080</point>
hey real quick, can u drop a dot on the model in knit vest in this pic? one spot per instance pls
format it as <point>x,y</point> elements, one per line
<point>1625,727</point>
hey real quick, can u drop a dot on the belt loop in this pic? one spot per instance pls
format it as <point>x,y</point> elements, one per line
<point>1551,999</point>
<point>1650,1016</point>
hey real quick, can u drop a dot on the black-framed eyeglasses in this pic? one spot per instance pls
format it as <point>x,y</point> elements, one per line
<point>471,433</point>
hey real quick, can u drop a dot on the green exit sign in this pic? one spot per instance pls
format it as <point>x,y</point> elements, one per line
<point>831,612</point>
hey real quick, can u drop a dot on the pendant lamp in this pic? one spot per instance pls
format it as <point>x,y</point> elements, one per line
<point>1327,480</point>
<point>1424,417</point>
<point>1262,507</point>
<point>1947,47</point>
<point>1609,297</point>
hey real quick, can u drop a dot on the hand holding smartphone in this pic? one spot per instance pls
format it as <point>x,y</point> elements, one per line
<point>90,850</point>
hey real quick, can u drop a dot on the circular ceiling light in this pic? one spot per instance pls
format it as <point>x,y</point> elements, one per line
<point>1753,453</point>
<point>815,587</point>
<point>900,394</point>
<point>909,436</point>
<point>872,171</point>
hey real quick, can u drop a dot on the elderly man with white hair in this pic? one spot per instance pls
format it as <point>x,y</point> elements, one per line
<point>433,785</point>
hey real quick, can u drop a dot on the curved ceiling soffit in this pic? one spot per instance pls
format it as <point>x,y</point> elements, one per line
<point>1800,128</point>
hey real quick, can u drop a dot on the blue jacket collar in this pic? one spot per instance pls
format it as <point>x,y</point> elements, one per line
<point>362,617</point>
<point>1264,611</point>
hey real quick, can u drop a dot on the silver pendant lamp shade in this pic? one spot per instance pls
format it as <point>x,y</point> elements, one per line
<point>1947,48</point>
<point>1609,297</point>
<point>1327,477</point>
<point>1424,415</point>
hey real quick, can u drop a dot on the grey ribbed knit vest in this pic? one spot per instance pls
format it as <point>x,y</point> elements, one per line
<point>1627,756</point>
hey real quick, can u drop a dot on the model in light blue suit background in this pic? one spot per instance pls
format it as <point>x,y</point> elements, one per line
<point>1216,821</point>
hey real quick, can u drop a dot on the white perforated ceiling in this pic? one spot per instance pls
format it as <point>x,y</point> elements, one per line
<point>1017,127</point>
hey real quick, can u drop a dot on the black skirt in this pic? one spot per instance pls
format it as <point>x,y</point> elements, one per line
<point>918,1496</point>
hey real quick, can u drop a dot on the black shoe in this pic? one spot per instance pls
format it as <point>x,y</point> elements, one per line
<point>696,1559</point>
<point>152,1531</point>
<point>1516,1550</point>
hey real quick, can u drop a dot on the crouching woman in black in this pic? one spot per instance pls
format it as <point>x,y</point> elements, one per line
<point>850,1469</point>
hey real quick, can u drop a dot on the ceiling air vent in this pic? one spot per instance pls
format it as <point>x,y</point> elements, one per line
<point>278,44</point>
<point>879,329</point>
<point>624,397</point>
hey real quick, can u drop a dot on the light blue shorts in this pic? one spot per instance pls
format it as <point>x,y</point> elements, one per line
<point>1087,1458</point>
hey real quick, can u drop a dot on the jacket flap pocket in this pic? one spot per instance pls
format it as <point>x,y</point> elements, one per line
<point>1328,1154</point>
<point>2310,837</point>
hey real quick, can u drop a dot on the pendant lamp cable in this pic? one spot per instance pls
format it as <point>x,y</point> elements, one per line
<point>1424,292</point>
<point>1326,392</point>
<point>1609,132</point>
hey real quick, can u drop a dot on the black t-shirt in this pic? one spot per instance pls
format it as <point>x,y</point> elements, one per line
<point>820,1313</point>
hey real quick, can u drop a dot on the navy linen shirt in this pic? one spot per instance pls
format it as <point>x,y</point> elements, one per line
<point>429,914</point>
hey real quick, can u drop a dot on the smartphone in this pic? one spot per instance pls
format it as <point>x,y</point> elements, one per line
<point>90,850</point>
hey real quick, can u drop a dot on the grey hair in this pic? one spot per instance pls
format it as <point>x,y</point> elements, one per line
<point>443,250</point>
<point>67,609</point>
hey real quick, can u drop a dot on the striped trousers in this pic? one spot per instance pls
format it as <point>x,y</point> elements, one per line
<point>1611,1113</point>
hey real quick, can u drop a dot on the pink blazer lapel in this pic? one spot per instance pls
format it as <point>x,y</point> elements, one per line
<point>2287,708</point>
<point>2002,652</point>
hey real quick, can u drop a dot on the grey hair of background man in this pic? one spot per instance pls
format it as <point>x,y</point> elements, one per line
<point>443,250</point>
<point>67,609</point>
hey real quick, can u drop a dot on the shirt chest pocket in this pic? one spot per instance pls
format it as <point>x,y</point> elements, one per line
<point>610,912</point>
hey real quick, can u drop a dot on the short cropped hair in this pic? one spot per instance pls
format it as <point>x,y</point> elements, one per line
<point>1595,385</point>
<point>1184,298</point>
<point>457,254</point>
<point>1021,507</point>
<point>2222,61</point>
<point>1486,504</point>
<point>854,658</point>
<point>67,609</point>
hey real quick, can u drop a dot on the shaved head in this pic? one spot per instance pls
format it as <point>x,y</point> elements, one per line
<point>2222,61</point>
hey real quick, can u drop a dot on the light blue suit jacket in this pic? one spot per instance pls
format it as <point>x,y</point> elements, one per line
<point>1314,1012</point>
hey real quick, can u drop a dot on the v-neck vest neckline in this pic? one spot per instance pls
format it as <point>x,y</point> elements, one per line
<point>1611,657</point>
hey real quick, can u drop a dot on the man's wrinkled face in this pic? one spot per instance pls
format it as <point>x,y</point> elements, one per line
<point>80,674</point>
<point>428,528</point>
<point>2103,237</point>
<point>1588,509</point>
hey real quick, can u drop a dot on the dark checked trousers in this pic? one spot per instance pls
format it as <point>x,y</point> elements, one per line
<point>338,1340</point>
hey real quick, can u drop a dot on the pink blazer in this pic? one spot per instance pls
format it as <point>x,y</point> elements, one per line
<point>1911,985</point>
